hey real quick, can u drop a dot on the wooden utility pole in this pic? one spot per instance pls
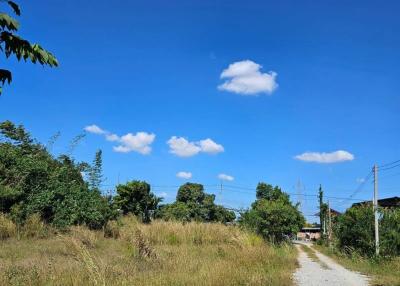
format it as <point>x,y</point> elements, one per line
<point>375,207</point>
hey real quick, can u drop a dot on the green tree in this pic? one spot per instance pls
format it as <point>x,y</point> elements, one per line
<point>32,181</point>
<point>136,198</point>
<point>96,172</point>
<point>272,215</point>
<point>193,204</point>
<point>12,44</point>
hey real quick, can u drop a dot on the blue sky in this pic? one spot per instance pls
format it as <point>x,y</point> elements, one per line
<point>155,67</point>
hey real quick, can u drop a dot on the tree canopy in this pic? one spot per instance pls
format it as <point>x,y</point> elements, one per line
<point>33,181</point>
<point>272,215</point>
<point>193,204</point>
<point>136,198</point>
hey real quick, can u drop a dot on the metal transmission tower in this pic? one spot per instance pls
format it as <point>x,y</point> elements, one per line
<point>300,196</point>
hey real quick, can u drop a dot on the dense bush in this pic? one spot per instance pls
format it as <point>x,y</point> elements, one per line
<point>272,215</point>
<point>193,204</point>
<point>355,231</point>
<point>33,182</point>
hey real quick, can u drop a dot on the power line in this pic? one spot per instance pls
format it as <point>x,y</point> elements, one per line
<point>389,168</point>
<point>388,164</point>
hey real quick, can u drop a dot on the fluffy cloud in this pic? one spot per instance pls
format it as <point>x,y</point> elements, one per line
<point>245,77</point>
<point>333,157</point>
<point>95,129</point>
<point>184,148</point>
<point>209,146</point>
<point>139,142</point>
<point>184,175</point>
<point>225,177</point>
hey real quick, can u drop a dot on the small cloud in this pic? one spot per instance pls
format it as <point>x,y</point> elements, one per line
<point>139,142</point>
<point>112,137</point>
<point>95,129</point>
<point>225,177</point>
<point>333,157</point>
<point>360,180</point>
<point>184,175</point>
<point>245,77</point>
<point>184,148</point>
<point>162,195</point>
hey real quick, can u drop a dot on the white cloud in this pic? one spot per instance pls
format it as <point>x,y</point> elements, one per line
<point>225,177</point>
<point>184,175</point>
<point>333,157</point>
<point>209,146</point>
<point>139,142</point>
<point>112,137</point>
<point>95,129</point>
<point>360,180</point>
<point>184,148</point>
<point>245,77</point>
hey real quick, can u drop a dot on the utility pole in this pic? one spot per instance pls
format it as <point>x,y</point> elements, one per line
<point>375,208</point>
<point>329,224</point>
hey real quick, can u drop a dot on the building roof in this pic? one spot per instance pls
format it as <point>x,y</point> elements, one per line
<point>386,203</point>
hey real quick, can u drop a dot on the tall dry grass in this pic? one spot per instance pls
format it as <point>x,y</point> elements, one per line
<point>161,253</point>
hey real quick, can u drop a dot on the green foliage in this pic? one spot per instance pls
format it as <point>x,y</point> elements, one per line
<point>11,44</point>
<point>193,204</point>
<point>136,198</point>
<point>272,215</point>
<point>390,232</point>
<point>32,181</point>
<point>95,172</point>
<point>355,231</point>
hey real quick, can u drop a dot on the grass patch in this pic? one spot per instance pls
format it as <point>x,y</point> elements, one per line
<point>313,256</point>
<point>383,271</point>
<point>161,253</point>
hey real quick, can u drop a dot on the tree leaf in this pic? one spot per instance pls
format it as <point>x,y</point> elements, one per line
<point>7,22</point>
<point>15,7</point>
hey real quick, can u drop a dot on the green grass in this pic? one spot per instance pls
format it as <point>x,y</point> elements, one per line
<point>162,253</point>
<point>382,271</point>
<point>312,255</point>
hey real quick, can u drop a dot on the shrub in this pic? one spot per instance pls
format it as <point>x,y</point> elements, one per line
<point>7,227</point>
<point>355,231</point>
<point>390,232</point>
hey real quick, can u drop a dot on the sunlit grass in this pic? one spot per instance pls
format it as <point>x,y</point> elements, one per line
<point>161,253</point>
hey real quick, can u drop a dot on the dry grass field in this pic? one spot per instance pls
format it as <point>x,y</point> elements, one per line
<point>131,253</point>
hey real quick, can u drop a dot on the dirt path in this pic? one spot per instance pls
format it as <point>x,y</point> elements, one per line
<point>322,270</point>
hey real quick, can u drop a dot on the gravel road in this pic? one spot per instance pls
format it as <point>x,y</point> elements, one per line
<point>327,273</point>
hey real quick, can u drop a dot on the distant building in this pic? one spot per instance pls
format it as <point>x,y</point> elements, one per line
<point>309,233</point>
<point>393,202</point>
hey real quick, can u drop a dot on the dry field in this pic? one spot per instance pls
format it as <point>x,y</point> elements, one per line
<point>131,253</point>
